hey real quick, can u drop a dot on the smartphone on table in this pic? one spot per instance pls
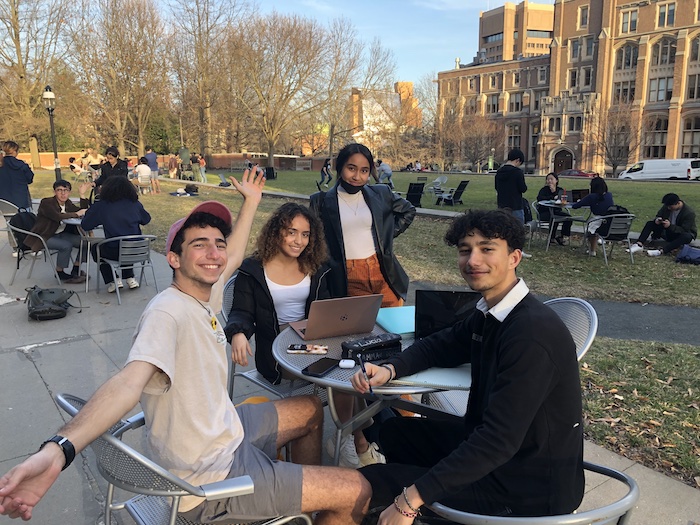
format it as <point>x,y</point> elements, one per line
<point>321,367</point>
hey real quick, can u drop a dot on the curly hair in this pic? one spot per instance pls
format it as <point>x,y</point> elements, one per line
<point>493,224</point>
<point>118,188</point>
<point>272,233</point>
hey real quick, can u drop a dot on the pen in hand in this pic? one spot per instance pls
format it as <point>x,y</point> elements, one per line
<point>364,371</point>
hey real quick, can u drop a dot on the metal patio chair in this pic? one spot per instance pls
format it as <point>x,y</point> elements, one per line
<point>134,250</point>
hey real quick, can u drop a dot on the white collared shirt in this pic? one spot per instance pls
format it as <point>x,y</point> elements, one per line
<point>505,306</point>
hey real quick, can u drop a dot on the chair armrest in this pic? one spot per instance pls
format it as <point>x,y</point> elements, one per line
<point>228,488</point>
<point>136,421</point>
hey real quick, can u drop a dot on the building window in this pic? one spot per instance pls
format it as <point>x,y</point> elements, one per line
<point>516,102</point>
<point>690,141</point>
<point>492,104</point>
<point>534,33</point>
<point>655,139</point>
<point>573,77</point>
<point>492,81</point>
<point>555,124</point>
<point>538,95</point>
<point>471,84</point>
<point>516,78</point>
<point>541,76</point>
<point>695,49</point>
<point>587,76</point>
<point>514,136</point>
<point>575,123</point>
<point>629,22</point>
<point>694,87</point>
<point>660,89</point>
<point>623,92</point>
<point>663,52</point>
<point>583,16</point>
<point>667,15</point>
<point>534,138</point>
<point>589,46</point>
<point>575,49</point>
<point>626,57</point>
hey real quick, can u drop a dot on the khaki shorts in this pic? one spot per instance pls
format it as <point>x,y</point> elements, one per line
<point>277,483</point>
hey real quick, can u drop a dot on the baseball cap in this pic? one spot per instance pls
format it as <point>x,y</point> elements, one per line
<point>213,207</point>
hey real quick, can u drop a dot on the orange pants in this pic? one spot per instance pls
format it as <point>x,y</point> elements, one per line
<point>365,278</point>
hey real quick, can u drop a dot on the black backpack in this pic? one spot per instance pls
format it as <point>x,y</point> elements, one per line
<point>49,303</point>
<point>24,220</point>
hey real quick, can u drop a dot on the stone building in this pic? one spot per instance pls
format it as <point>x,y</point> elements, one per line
<point>607,57</point>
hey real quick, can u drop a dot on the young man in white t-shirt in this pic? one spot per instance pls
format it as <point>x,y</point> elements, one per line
<point>177,356</point>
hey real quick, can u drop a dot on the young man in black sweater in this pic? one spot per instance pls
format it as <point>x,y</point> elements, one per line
<point>519,449</point>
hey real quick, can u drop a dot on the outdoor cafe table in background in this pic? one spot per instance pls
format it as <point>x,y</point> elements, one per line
<point>338,379</point>
<point>566,208</point>
<point>86,239</point>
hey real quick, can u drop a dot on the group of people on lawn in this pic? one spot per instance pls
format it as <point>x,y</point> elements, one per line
<point>517,451</point>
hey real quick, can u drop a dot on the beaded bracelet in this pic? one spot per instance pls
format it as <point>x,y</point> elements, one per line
<point>403,512</point>
<point>405,497</point>
<point>391,373</point>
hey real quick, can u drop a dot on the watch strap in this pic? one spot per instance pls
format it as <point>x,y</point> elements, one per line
<point>66,446</point>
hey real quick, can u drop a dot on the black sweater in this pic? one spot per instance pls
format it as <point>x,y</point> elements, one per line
<point>253,312</point>
<point>510,186</point>
<point>524,418</point>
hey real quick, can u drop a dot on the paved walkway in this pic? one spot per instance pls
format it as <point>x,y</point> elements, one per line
<point>78,353</point>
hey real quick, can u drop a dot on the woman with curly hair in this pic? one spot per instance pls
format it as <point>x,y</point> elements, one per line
<point>276,285</point>
<point>120,213</point>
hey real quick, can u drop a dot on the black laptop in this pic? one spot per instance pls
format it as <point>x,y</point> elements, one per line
<point>577,195</point>
<point>438,309</point>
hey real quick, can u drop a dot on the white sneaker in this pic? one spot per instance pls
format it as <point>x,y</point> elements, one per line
<point>371,456</point>
<point>526,255</point>
<point>111,288</point>
<point>635,248</point>
<point>590,253</point>
<point>654,253</point>
<point>348,454</point>
<point>132,283</point>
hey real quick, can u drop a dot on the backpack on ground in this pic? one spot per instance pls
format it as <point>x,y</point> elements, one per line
<point>23,220</point>
<point>688,255</point>
<point>49,303</point>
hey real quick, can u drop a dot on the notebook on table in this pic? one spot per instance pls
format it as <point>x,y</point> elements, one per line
<point>398,320</point>
<point>438,309</point>
<point>457,378</point>
<point>340,316</point>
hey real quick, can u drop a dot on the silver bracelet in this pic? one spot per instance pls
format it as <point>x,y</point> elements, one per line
<point>391,372</point>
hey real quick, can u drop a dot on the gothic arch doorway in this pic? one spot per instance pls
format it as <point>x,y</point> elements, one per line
<point>563,160</point>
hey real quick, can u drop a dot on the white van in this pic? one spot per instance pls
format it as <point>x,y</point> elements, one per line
<point>658,169</point>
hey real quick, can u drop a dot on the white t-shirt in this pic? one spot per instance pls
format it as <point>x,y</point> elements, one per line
<point>356,223</point>
<point>143,172</point>
<point>193,427</point>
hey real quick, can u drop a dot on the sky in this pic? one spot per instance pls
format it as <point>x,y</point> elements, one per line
<point>425,35</point>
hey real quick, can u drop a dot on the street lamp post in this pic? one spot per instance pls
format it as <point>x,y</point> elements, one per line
<point>50,103</point>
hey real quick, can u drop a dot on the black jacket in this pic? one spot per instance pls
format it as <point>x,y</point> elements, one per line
<point>107,170</point>
<point>391,216</point>
<point>510,186</point>
<point>253,312</point>
<point>685,222</point>
<point>15,178</point>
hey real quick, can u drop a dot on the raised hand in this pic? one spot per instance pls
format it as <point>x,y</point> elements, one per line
<point>251,185</point>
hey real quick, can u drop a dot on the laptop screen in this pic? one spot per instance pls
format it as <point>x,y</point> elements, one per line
<point>577,195</point>
<point>438,309</point>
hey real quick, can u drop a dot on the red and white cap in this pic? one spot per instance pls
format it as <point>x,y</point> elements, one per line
<point>213,207</point>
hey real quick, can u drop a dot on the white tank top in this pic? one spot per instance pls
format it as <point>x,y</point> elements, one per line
<point>289,300</point>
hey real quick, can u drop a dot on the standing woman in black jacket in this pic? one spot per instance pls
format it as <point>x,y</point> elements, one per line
<point>277,285</point>
<point>360,222</point>
<point>114,166</point>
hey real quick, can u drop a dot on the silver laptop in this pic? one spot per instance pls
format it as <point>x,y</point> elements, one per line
<point>341,316</point>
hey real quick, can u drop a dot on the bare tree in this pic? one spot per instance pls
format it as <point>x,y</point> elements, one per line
<point>32,33</point>
<point>280,61</point>
<point>617,135</point>
<point>479,134</point>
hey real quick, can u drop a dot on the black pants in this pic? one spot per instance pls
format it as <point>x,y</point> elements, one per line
<point>546,215</point>
<point>412,446</point>
<point>110,251</point>
<point>657,231</point>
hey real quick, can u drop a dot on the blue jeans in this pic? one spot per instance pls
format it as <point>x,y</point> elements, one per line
<point>518,214</point>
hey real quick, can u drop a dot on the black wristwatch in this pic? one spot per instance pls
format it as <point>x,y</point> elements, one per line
<point>66,446</point>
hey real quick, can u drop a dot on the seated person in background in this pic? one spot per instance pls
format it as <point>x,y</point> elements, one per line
<point>418,166</point>
<point>142,173</point>
<point>674,222</point>
<point>120,213</point>
<point>599,200</point>
<point>552,192</point>
<point>177,368</point>
<point>59,236</point>
<point>76,168</point>
<point>277,285</point>
<point>519,449</point>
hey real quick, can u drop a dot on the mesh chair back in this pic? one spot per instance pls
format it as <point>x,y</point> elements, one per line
<point>619,227</point>
<point>7,208</point>
<point>134,251</point>
<point>227,301</point>
<point>580,318</point>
